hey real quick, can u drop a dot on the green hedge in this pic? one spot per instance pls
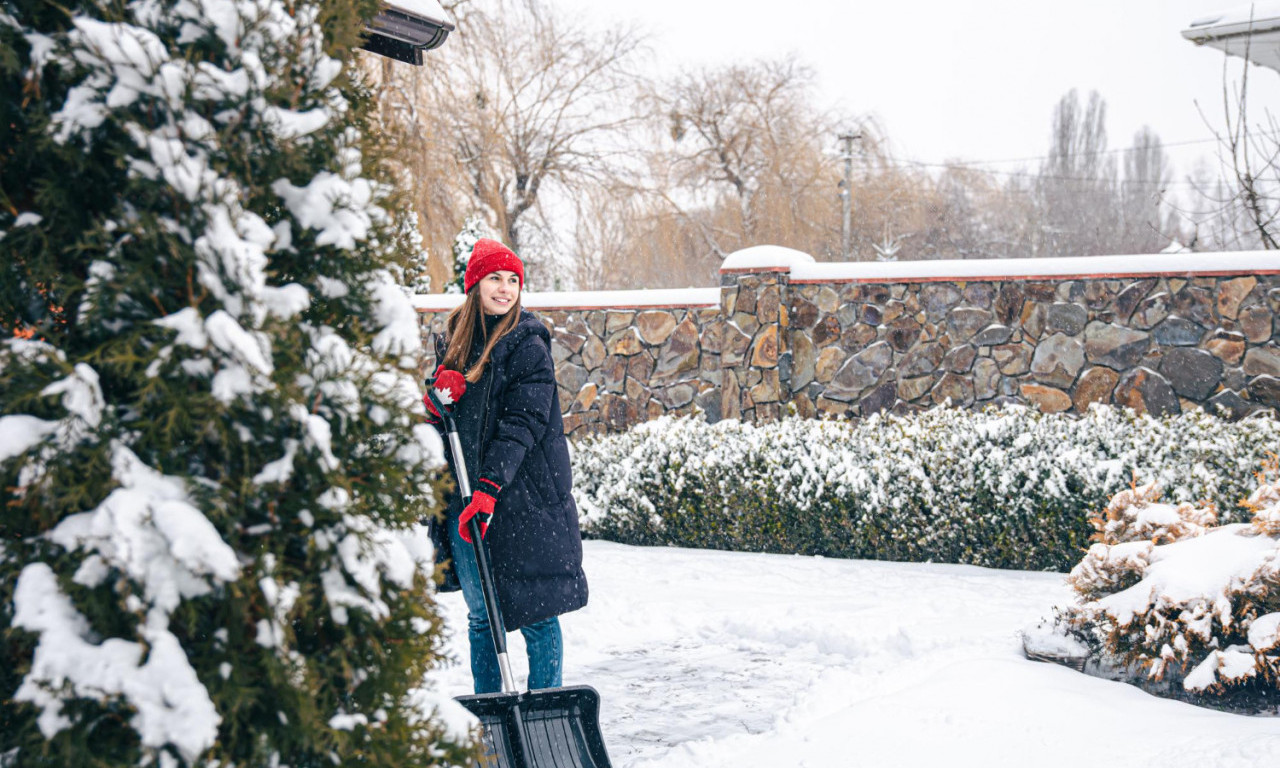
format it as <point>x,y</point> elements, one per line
<point>1009,488</point>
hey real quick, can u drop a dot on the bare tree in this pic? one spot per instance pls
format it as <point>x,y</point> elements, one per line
<point>531,119</point>
<point>733,157</point>
<point>749,134</point>
<point>1146,224</point>
<point>742,156</point>
<point>604,228</point>
<point>629,238</point>
<point>1086,202</point>
<point>427,174</point>
<point>975,216</point>
<point>523,104</point>
<point>1077,182</point>
<point>1250,156</point>
<point>1216,219</point>
<point>533,98</point>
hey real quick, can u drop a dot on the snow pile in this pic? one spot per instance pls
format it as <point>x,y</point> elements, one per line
<point>1166,593</point>
<point>765,257</point>
<point>1004,488</point>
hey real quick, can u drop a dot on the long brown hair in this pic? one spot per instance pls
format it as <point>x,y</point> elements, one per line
<point>462,326</point>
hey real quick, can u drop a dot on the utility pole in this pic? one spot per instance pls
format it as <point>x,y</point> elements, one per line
<point>846,190</point>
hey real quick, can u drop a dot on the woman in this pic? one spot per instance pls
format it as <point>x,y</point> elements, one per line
<point>496,359</point>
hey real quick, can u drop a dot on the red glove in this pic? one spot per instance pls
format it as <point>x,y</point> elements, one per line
<point>481,507</point>
<point>449,386</point>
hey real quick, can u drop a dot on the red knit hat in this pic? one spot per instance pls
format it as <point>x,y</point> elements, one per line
<point>489,256</point>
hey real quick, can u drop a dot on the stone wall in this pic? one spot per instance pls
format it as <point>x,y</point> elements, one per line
<point>1158,334</point>
<point>619,365</point>
<point>1155,344</point>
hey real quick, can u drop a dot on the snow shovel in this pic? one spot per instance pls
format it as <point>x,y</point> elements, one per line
<point>549,728</point>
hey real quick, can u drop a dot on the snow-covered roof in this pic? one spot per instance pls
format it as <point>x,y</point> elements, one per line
<point>1249,31</point>
<point>665,297</point>
<point>427,9</point>
<point>1262,15</point>
<point>404,29</point>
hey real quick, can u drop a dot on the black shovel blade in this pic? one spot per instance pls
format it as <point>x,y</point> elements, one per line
<point>552,728</point>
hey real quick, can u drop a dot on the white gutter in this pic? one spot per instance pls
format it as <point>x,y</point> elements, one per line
<point>1251,32</point>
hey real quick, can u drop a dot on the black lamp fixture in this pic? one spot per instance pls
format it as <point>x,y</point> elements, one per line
<point>406,28</point>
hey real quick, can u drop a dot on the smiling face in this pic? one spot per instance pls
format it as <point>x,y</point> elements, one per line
<point>498,292</point>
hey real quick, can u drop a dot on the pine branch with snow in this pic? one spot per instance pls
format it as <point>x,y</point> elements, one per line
<point>414,274</point>
<point>472,230</point>
<point>210,428</point>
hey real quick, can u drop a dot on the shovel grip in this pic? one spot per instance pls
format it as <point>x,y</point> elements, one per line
<point>445,414</point>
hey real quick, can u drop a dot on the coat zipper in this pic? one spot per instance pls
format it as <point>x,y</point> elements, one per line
<point>484,421</point>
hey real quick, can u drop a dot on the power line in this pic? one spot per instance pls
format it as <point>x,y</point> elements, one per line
<point>1160,145</point>
<point>904,162</point>
<point>969,164</point>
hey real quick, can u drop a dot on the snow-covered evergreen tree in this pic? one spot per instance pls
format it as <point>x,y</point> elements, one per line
<point>210,449</point>
<point>472,230</point>
<point>416,275</point>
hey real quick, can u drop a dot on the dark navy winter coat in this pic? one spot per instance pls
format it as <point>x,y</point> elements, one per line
<point>533,540</point>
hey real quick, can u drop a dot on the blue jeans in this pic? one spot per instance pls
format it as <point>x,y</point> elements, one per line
<point>542,639</point>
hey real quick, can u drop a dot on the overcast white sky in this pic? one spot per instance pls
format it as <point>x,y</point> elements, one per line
<point>970,79</point>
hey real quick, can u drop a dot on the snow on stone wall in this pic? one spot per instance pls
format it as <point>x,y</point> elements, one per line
<point>1159,333</point>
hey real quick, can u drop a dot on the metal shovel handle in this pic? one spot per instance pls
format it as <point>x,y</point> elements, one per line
<point>497,630</point>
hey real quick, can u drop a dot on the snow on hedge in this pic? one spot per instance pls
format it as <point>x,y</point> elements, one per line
<point>1165,593</point>
<point>1005,488</point>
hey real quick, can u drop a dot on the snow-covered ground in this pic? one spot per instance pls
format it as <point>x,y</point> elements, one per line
<point>713,659</point>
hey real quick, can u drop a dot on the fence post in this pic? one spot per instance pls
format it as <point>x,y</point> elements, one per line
<point>755,356</point>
